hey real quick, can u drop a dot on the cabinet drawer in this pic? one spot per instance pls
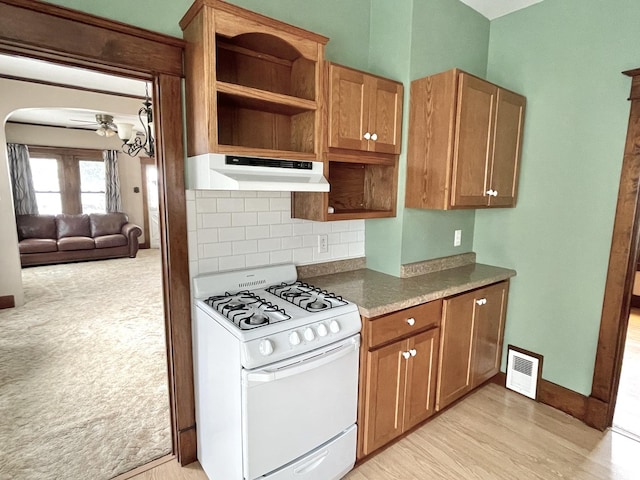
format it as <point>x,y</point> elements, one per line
<point>404,322</point>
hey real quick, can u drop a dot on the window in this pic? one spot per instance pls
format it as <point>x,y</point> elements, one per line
<point>68,180</point>
<point>46,184</point>
<point>92,186</point>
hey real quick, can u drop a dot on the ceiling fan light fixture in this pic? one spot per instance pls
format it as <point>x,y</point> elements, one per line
<point>125,131</point>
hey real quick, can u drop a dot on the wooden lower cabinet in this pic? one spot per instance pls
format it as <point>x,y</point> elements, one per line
<point>472,331</point>
<point>400,389</point>
<point>456,339</point>
<point>417,361</point>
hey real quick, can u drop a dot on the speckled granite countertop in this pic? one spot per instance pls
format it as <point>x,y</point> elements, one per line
<point>376,293</point>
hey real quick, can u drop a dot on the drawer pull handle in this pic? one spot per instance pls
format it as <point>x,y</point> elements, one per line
<point>406,355</point>
<point>411,321</point>
<point>481,301</point>
<point>413,352</point>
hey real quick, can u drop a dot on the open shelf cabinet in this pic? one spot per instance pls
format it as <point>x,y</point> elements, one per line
<point>253,83</point>
<point>360,188</point>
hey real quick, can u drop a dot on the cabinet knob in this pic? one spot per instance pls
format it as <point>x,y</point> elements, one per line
<point>413,352</point>
<point>492,193</point>
<point>367,136</point>
<point>489,192</point>
<point>406,355</point>
<point>411,321</point>
<point>495,193</point>
<point>374,137</point>
<point>481,301</point>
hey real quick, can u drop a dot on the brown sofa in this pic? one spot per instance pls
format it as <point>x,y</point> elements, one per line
<point>47,239</point>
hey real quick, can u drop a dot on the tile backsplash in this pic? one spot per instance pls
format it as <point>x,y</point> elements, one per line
<point>230,230</point>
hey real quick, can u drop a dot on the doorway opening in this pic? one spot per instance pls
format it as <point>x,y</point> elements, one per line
<point>119,49</point>
<point>86,378</point>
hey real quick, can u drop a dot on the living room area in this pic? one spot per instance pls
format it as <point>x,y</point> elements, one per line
<point>83,362</point>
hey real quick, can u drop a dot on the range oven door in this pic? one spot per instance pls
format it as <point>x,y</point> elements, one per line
<point>292,407</point>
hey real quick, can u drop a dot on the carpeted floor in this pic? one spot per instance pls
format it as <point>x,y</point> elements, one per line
<point>83,371</point>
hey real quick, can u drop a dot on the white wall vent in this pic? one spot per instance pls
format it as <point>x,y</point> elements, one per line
<point>523,372</point>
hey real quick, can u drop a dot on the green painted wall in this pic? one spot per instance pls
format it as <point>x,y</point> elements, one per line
<point>389,56</point>
<point>566,57</point>
<point>443,34</point>
<point>345,23</point>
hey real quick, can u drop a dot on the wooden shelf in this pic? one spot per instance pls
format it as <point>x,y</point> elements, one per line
<point>252,84</point>
<point>255,99</point>
<point>359,214</point>
<point>261,152</point>
<point>358,190</point>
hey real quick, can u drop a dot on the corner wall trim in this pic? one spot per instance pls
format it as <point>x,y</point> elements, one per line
<point>7,301</point>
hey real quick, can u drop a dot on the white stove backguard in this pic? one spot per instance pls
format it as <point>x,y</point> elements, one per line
<point>218,283</point>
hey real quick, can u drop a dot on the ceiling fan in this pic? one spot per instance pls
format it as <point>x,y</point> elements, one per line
<point>104,124</point>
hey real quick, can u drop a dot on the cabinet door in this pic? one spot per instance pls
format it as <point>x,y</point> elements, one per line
<point>489,332</point>
<point>456,342</point>
<point>422,369</point>
<point>473,139</point>
<point>348,108</point>
<point>506,148</point>
<point>385,385</point>
<point>385,115</point>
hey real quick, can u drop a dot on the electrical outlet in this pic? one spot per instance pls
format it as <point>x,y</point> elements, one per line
<point>457,238</point>
<point>323,243</point>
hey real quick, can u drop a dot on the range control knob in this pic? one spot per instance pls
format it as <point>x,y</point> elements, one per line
<point>309,335</point>
<point>266,347</point>
<point>294,338</point>
<point>322,330</point>
<point>334,326</point>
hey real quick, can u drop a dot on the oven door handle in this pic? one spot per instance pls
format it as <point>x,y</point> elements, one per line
<point>265,376</point>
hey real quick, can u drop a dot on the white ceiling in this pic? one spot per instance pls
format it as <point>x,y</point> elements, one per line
<point>497,8</point>
<point>30,69</point>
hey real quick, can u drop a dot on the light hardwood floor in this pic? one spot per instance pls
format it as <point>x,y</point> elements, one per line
<point>627,415</point>
<point>493,434</point>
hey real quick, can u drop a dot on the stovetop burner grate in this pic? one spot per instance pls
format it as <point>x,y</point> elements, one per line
<point>246,309</point>
<point>306,296</point>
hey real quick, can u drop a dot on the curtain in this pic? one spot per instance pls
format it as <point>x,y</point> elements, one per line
<point>112,181</point>
<point>24,196</point>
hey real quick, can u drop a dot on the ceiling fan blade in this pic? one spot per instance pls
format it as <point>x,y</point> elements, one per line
<point>85,122</point>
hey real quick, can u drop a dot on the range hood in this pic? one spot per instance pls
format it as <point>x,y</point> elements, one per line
<point>217,171</point>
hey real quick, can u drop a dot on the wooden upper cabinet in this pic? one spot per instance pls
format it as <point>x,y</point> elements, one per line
<point>506,148</point>
<point>365,111</point>
<point>364,123</point>
<point>253,84</point>
<point>465,139</point>
<point>473,140</point>
<point>348,108</point>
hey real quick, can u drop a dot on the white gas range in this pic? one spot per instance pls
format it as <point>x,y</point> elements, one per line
<point>276,376</point>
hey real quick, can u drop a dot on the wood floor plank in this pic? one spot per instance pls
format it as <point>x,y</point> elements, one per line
<point>627,416</point>
<point>494,434</point>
